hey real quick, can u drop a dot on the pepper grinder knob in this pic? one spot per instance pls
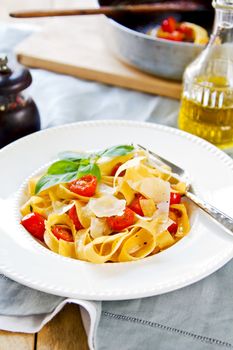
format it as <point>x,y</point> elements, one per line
<point>3,64</point>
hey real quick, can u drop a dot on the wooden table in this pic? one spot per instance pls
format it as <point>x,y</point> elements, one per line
<point>64,332</point>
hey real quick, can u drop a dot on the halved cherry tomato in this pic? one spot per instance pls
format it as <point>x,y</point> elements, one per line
<point>115,168</point>
<point>175,31</point>
<point>85,186</point>
<point>34,224</point>
<point>176,36</point>
<point>135,204</point>
<point>74,217</point>
<point>62,232</point>
<point>175,198</point>
<point>169,24</point>
<point>187,31</point>
<point>119,223</point>
<point>173,228</point>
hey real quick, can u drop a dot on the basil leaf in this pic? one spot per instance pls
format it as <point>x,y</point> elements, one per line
<point>62,167</point>
<point>84,162</point>
<point>50,180</point>
<point>117,151</point>
<point>91,169</point>
<point>73,156</point>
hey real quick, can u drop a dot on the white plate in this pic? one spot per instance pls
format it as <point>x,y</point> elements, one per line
<point>206,248</point>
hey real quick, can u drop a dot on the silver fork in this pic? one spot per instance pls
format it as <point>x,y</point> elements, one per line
<point>221,218</point>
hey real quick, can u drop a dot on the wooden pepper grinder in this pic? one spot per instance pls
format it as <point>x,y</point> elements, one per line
<point>19,115</point>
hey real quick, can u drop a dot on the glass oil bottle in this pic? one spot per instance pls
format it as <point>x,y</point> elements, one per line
<point>207,99</point>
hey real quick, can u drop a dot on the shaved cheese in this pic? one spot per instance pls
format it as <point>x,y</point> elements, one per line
<point>107,206</point>
<point>129,164</point>
<point>84,214</point>
<point>144,218</point>
<point>163,208</point>
<point>61,207</point>
<point>152,187</point>
<point>99,227</point>
<point>105,189</point>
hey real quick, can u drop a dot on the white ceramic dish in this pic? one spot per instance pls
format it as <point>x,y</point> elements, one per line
<point>204,250</point>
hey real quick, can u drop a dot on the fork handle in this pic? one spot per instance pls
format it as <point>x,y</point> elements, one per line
<point>221,218</point>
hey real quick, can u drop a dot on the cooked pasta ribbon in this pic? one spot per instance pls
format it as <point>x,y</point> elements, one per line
<point>127,218</point>
<point>60,246</point>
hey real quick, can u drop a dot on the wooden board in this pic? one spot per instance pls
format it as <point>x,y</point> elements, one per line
<point>64,332</point>
<point>75,46</point>
<point>19,341</point>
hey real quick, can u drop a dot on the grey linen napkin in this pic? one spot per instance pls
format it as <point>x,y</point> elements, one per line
<point>18,300</point>
<point>198,317</point>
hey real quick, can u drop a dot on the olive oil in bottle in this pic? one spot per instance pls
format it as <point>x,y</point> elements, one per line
<point>207,99</point>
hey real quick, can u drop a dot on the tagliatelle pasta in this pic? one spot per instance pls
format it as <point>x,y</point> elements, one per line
<point>116,205</point>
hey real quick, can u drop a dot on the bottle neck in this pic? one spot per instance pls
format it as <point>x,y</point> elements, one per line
<point>223,18</point>
<point>223,26</point>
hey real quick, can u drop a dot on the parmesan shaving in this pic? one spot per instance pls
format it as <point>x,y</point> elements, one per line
<point>107,206</point>
<point>152,187</point>
<point>61,207</point>
<point>105,189</point>
<point>99,227</point>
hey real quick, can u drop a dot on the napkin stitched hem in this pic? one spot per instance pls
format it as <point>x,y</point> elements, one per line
<point>198,337</point>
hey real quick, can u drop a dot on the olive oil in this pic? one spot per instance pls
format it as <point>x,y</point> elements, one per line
<point>207,99</point>
<point>207,110</point>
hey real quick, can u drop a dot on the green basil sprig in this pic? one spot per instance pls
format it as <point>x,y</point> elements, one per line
<point>62,167</point>
<point>64,171</point>
<point>74,156</point>
<point>74,165</point>
<point>48,180</point>
<point>115,151</point>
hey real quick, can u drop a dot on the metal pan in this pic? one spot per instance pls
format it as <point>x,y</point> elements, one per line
<point>126,37</point>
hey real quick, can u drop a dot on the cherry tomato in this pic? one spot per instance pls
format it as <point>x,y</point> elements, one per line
<point>85,186</point>
<point>74,217</point>
<point>176,36</point>
<point>62,232</point>
<point>187,31</point>
<point>119,223</point>
<point>173,228</point>
<point>169,24</point>
<point>175,198</point>
<point>135,205</point>
<point>34,224</point>
<point>115,168</point>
